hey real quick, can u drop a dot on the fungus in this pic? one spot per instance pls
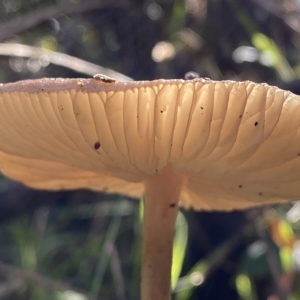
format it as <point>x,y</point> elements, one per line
<point>189,155</point>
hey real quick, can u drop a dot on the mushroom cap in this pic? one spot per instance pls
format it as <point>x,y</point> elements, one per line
<point>236,144</point>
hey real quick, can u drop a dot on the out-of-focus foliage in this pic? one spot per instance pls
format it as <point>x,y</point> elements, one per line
<point>69,246</point>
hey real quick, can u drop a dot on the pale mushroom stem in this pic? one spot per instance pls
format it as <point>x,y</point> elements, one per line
<point>161,208</point>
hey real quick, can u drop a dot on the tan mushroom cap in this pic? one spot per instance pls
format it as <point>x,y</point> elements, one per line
<point>236,144</point>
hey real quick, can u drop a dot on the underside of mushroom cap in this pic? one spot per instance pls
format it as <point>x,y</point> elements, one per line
<point>236,144</point>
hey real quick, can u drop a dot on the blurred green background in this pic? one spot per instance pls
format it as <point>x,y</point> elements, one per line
<point>79,245</point>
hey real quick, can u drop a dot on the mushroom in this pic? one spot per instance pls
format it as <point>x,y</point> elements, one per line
<point>210,145</point>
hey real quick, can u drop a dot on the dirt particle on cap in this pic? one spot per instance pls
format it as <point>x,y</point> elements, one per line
<point>191,75</point>
<point>104,78</point>
<point>256,123</point>
<point>80,83</point>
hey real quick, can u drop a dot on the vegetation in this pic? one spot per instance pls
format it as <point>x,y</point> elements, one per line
<point>83,245</point>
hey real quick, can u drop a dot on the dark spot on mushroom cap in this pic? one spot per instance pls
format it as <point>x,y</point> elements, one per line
<point>172,204</point>
<point>201,107</point>
<point>240,116</point>
<point>161,111</point>
<point>256,123</point>
<point>97,145</point>
<point>240,186</point>
<point>260,193</point>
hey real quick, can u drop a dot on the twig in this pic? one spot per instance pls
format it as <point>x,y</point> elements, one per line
<point>38,279</point>
<point>60,59</point>
<point>36,17</point>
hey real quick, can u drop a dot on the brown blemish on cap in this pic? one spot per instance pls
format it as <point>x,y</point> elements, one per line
<point>97,145</point>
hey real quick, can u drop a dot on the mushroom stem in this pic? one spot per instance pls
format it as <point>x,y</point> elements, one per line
<point>161,208</point>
